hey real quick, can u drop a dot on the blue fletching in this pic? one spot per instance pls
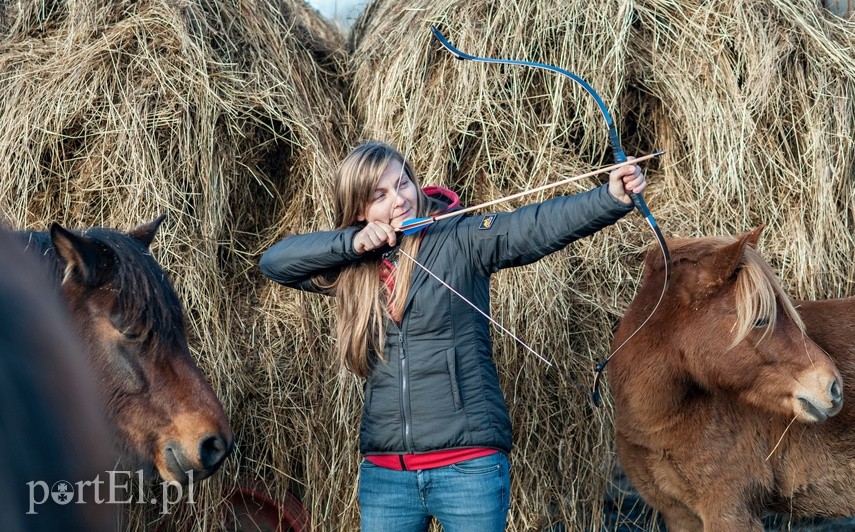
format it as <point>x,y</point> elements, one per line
<point>414,225</point>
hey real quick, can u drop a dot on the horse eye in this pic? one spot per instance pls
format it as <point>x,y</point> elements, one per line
<point>761,322</point>
<point>131,336</point>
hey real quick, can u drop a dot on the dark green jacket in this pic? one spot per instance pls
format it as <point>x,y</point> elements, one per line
<point>439,388</point>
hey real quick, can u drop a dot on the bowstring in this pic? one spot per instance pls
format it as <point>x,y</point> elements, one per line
<point>473,305</point>
<point>411,119</point>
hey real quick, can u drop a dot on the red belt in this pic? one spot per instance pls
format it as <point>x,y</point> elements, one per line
<point>409,462</point>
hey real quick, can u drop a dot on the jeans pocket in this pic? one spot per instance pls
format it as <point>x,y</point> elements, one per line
<point>480,466</point>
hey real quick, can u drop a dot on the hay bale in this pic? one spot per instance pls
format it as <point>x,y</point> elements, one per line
<point>213,112</point>
<point>753,101</point>
<point>761,132</point>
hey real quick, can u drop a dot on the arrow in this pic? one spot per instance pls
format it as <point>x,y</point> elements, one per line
<point>414,225</point>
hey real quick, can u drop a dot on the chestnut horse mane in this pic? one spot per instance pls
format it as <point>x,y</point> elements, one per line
<point>757,292</point>
<point>146,294</point>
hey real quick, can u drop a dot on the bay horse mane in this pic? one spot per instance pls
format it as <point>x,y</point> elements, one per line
<point>729,402</point>
<point>148,296</point>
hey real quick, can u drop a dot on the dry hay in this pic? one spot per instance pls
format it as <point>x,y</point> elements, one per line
<point>210,112</point>
<point>230,117</point>
<point>753,100</point>
<point>762,130</point>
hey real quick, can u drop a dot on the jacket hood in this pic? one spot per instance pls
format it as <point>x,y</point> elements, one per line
<point>446,199</point>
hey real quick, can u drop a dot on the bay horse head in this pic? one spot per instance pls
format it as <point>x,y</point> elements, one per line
<point>732,330</point>
<point>165,414</point>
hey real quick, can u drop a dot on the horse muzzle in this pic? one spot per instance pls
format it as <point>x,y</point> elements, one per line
<point>812,406</point>
<point>198,462</point>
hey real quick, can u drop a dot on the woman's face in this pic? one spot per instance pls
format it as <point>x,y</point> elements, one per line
<point>394,199</point>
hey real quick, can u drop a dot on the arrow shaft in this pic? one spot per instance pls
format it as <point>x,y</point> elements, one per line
<point>548,186</point>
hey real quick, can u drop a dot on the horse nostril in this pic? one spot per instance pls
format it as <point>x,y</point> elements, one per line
<point>212,450</point>
<point>834,392</point>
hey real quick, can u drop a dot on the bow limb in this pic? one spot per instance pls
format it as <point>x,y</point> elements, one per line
<point>614,139</point>
<point>619,157</point>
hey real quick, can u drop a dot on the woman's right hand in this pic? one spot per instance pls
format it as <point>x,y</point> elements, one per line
<point>373,236</point>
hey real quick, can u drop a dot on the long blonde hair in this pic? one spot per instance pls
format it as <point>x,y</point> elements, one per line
<point>363,299</point>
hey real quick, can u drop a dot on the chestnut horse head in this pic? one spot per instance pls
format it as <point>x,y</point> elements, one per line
<point>725,328</point>
<point>131,324</point>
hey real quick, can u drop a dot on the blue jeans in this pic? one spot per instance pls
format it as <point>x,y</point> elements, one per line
<point>470,496</point>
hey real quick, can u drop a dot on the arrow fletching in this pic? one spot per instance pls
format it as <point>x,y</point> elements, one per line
<point>414,225</point>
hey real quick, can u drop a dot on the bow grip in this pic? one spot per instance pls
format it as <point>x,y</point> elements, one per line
<point>620,157</point>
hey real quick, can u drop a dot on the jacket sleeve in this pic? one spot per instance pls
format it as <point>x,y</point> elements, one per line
<point>503,240</point>
<point>295,260</point>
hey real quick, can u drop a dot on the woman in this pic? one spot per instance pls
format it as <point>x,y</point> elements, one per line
<point>435,430</point>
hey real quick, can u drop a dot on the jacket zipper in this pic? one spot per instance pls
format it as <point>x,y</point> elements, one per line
<point>405,385</point>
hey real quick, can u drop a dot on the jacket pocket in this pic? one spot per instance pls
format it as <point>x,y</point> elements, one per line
<point>451,359</point>
<point>367,398</point>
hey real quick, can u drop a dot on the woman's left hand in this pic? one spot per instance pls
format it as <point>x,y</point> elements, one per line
<point>625,180</point>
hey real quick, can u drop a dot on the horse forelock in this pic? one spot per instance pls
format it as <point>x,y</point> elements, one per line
<point>143,290</point>
<point>758,289</point>
<point>758,293</point>
<point>683,249</point>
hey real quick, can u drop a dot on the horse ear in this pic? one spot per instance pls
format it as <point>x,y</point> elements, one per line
<point>726,260</point>
<point>753,236</point>
<point>145,233</point>
<point>86,260</point>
